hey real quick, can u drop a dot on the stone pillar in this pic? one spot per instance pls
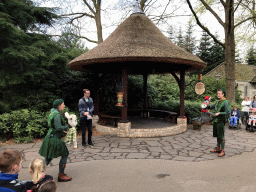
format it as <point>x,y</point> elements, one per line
<point>124,129</point>
<point>182,123</point>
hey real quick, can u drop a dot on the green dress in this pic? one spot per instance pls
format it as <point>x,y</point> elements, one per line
<point>219,121</point>
<point>53,146</point>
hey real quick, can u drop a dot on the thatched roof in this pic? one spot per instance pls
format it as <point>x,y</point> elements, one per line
<point>140,46</point>
<point>243,72</point>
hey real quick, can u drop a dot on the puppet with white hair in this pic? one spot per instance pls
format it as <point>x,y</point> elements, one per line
<point>71,133</point>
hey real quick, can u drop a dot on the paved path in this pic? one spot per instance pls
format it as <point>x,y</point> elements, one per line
<point>191,146</point>
<point>177,163</point>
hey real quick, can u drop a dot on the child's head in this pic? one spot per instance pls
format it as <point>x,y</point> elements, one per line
<point>235,107</point>
<point>37,169</point>
<point>10,161</point>
<point>46,186</point>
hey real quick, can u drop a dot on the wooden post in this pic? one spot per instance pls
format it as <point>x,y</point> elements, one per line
<point>124,109</point>
<point>182,92</point>
<point>97,97</point>
<point>145,93</point>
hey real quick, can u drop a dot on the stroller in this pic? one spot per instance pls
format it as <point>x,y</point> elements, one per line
<point>251,123</point>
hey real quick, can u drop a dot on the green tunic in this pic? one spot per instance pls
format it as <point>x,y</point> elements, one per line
<point>219,121</point>
<point>53,146</point>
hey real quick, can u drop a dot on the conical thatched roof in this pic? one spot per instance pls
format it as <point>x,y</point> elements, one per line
<point>140,46</point>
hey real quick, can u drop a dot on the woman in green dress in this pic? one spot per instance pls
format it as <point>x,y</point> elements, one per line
<point>222,113</point>
<point>52,146</point>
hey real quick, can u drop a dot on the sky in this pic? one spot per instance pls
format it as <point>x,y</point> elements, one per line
<point>112,13</point>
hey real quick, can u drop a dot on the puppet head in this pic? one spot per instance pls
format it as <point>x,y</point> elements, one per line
<point>72,120</point>
<point>206,104</point>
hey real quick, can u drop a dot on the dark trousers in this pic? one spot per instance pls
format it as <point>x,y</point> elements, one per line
<point>62,164</point>
<point>246,115</point>
<point>86,124</point>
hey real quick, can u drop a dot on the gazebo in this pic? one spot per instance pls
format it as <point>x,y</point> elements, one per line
<point>137,46</point>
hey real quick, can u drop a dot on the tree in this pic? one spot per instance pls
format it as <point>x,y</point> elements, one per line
<point>204,50</point>
<point>180,39</point>
<point>204,47</point>
<point>171,33</point>
<point>33,67</point>
<point>217,55</point>
<point>20,48</point>
<point>92,11</point>
<point>251,56</point>
<point>190,44</point>
<point>106,14</point>
<point>229,7</point>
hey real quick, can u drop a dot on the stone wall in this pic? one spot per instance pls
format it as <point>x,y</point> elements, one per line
<point>124,130</point>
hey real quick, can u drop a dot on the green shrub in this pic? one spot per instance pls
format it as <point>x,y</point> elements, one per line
<point>23,125</point>
<point>192,109</point>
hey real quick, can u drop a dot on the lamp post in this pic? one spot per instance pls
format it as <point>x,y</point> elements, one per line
<point>217,77</point>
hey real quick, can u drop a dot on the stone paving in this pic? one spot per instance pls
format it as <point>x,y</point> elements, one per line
<point>190,146</point>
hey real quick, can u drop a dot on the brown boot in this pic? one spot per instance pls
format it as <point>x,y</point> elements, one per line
<point>63,177</point>
<point>222,153</point>
<point>215,150</point>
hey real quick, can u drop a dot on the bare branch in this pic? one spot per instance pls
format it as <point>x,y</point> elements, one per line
<point>81,15</point>
<point>249,18</point>
<point>238,5</point>
<point>163,12</point>
<point>202,26</point>
<point>82,37</point>
<point>213,12</point>
<point>223,3</point>
<point>91,9</point>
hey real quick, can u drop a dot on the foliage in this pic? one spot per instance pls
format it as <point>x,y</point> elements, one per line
<point>23,125</point>
<point>190,43</point>
<point>166,87</point>
<point>33,67</point>
<point>21,50</point>
<point>251,56</point>
<point>109,86</point>
<point>210,52</point>
<point>192,109</point>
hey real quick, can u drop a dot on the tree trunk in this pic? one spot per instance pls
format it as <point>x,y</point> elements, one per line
<point>98,22</point>
<point>230,51</point>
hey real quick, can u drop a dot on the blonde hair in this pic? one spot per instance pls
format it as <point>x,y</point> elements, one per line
<point>38,167</point>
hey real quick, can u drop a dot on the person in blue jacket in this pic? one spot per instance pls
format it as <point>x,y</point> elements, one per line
<point>235,115</point>
<point>10,166</point>
<point>86,107</point>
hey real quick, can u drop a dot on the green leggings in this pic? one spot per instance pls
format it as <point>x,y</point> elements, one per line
<point>62,164</point>
<point>221,143</point>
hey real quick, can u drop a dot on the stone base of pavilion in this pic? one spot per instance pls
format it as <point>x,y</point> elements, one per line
<point>145,128</point>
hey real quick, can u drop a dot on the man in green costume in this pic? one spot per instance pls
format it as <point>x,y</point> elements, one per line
<point>52,146</point>
<point>222,112</point>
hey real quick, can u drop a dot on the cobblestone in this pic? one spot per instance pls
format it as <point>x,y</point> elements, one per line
<point>190,146</point>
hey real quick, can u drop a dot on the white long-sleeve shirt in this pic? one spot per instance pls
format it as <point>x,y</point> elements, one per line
<point>246,106</point>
